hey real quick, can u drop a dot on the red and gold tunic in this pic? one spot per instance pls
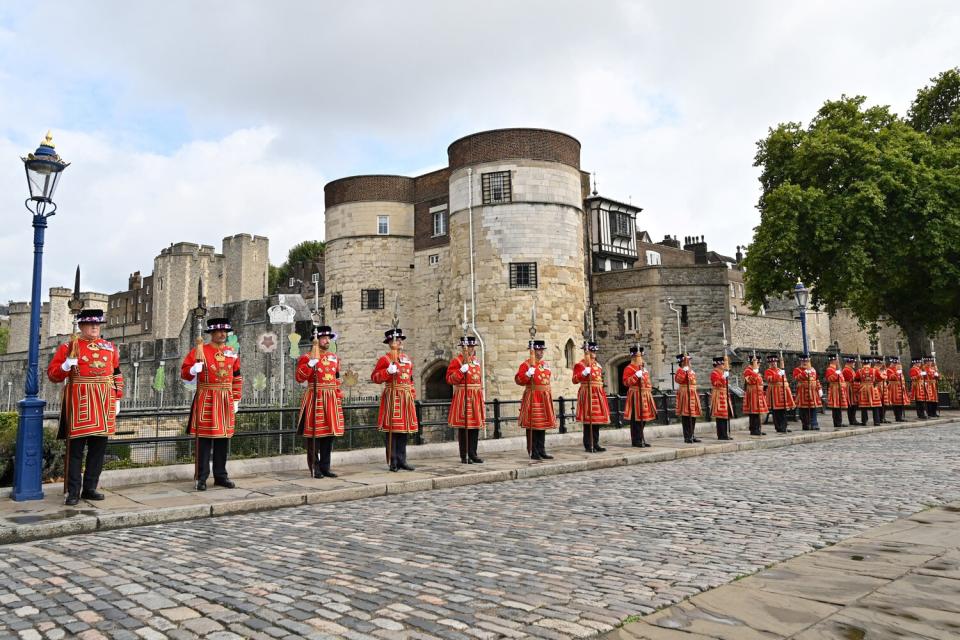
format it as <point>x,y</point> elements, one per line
<point>398,413</point>
<point>592,407</point>
<point>219,385</point>
<point>688,402</point>
<point>779,395</point>
<point>92,389</point>
<point>930,382</point>
<point>754,399</point>
<point>719,395</point>
<point>321,407</point>
<point>808,387</point>
<point>881,374</point>
<point>536,406</point>
<point>852,385</point>
<point>897,387</point>
<point>836,389</point>
<point>869,392</point>
<point>639,394</point>
<point>467,410</point>
<point>918,388</point>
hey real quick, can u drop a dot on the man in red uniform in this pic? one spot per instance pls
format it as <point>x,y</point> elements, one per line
<point>881,374</point>
<point>688,402</point>
<point>89,403</point>
<point>852,385</point>
<point>869,391</point>
<point>837,398</point>
<point>897,388</point>
<point>536,406</point>
<point>720,397</point>
<point>467,411</point>
<point>321,408</point>
<point>808,392</point>
<point>754,399</point>
<point>398,413</point>
<point>592,407</point>
<point>933,386</point>
<point>778,393</point>
<point>639,407</point>
<point>216,372</point>
<point>918,387</point>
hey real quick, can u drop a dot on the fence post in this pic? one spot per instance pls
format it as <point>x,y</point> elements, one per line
<point>419,408</point>
<point>496,419</point>
<point>562,404</point>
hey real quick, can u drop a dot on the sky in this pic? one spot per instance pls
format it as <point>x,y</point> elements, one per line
<point>189,121</point>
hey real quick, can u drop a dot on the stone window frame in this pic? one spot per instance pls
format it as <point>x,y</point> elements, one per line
<point>684,316</point>
<point>433,259</point>
<point>654,258</point>
<point>336,301</point>
<point>368,303</point>
<point>631,320</point>
<point>526,271</point>
<point>383,225</point>
<point>439,214</point>
<point>496,187</point>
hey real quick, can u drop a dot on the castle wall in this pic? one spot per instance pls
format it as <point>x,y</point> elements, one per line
<point>246,267</point>
<point>176,274</point>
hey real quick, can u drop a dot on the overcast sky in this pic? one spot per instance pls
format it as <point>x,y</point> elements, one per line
<point>189,121</point>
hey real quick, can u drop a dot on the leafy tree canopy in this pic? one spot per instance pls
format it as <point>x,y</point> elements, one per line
<point>306,251</point>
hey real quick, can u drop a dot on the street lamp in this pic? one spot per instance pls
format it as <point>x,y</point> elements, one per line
<point>43,168</point>
<point>801,294</point>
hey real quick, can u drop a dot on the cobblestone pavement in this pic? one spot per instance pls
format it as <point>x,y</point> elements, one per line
<point>555,557</point>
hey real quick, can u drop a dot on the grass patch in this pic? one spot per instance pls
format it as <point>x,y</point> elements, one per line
<point>630,620</point>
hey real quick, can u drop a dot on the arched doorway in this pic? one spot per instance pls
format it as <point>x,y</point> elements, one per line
<point>616,365</point>
<point>570,353</point>
<point>435,385</point>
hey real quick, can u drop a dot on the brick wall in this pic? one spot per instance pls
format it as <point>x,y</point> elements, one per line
<point>506,144</point>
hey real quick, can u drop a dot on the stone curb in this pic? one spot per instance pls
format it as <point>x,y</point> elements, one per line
<point>84,523</point>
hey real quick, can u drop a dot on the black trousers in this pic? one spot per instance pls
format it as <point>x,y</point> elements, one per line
<point>537,439</point>
<point>852,414</point>
<point>898,413</point>
<point>689,424</point>
<point>636,431</point>
<point>755,424</point>
<point>96,447</point>
<point>921,410</point>
<point>780,420</point>
<point>723,428</point>
<point>396,447</point>
<point>875,412</point>
<point>591,436</point>
<point>219,447</point>
<point>468,439</point>
<point>933,409</point>
<point>318,453</point>
<point>837,418</point>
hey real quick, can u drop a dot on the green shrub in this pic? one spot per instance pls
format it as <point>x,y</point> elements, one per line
<point>53,451</point>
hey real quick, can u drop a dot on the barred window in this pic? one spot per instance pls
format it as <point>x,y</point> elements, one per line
<point>523,275</point>
<point>371,299</point>
<point>496,187</point>
<point>336,301</point>
<point>621,224</point>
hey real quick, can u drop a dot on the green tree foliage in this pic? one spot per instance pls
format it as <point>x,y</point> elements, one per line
<point>865,206</point>
<point>306,251</point>
<point>4,339</point>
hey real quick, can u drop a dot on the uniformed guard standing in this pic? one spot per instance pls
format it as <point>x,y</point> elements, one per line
<point>918,387</point>
<point>467,411</point>
<point>398,414</point>
<point>688,401</point>
<point>837,399</point>
<point>754,399</point>
<point>720,397</point>
<point>592,407</point>
<point>881,372</point>
<point>852,385</point>
<point>321,408</point>
<point>779,394</point>
<point>932,384</point>
<point>90,401</point>
<point>639,406</point>
<point>869,392</point>
<point>809,391</point>
<point>536,406</point>
<point>897,388</point>
<point>215,368</point>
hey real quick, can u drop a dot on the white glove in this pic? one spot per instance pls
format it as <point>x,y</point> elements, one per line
<point>196,368</point>
<point>936,374</point>
<point>726,374</point>
<point>312,362</point>
<point>639,373</point>
<point>116,409</point>
<point>923,374</point>
<point>821,393</point>
<point>530,372</point>
<point>392,369</point>
<point>465,368</point>
<point>69,363</point>
<point>236,405</point>
<point>811,371</point>
<point>782,372</point>
<point>686,368</point>
<point>586,371</point>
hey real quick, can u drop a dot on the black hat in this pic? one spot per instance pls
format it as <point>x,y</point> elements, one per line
<point>393,334</point>
<point>804,356</point>
<point>590,345</point>
<point>928,358</point>
<point>916,360</point>
<point>323,332</point>
<point>91,316</point>
<point>218,324</point>
<point>681,356</point>
<point>717,360</point>
<point>468,341</point>
<point>893,359</point>
<point>849,359</point>
<point>536,344</point>
<point>635,349</point>
<point>772,357</point>
<point>831,356</point>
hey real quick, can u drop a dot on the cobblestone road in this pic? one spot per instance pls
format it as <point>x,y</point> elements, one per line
<point>556,557</point>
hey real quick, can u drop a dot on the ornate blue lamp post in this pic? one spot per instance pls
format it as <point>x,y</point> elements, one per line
<point>801,294</point>
<point>43,168</point>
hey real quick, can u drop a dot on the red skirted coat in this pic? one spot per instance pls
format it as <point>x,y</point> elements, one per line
<point>466,408</point>
<point>837,397</point>
<point>933,377</point>
<point>779,395</point>
<point>881,374</point>
<point>918,387</point>
<point>592,407</point>
<point>688,402</point>
<point>536,406</point>
<point>398,413</point>
<point>639,394</point>
<point>869,391</point>
<point>92,389</point>
<point>321,407</point>
<point>808,388</point>
<point>897,387</point>
<point>719,394</point>
<point>219,385</point>
<point>754,399</point>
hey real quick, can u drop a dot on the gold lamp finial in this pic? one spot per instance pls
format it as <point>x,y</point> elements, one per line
<point>48,140</point>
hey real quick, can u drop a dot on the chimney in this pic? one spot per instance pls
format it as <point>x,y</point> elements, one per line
<point>739,255</point>
<point>134,282</point>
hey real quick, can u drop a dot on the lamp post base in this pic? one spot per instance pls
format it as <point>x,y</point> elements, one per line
<point>28,469</point>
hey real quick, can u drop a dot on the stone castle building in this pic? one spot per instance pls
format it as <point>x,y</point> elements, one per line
<point>56,320</point>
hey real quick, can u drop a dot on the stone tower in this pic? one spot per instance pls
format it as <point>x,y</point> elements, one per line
<point>246,266</point>
<point>176,272</point>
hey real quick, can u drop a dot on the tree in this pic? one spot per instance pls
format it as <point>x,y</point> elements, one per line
<point>4,339</point>
<point>865,206</point>
<point>306,251</point>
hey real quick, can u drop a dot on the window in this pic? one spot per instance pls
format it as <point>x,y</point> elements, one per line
<point>653,258</point>
<point>620,223</point>
<point>684,319</point>
<point>632,320</point>
<point>570,354</point>
<point>733,291</point>
<point>148,289</point>
<point>741,292</point>
<point>523,275</point>
<point>439,223</point>
<point>814,344</point>
<point>161,284</point>
<point>496,187</point>
<point>434,259</point>
<point>874,347</point>
<point>383,225</point>
<point>148,307</point>
<point>371,299</point>
<point>336,301</point>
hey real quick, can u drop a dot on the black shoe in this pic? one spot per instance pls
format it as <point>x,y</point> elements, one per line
<point>694,439</point>
<point>71,501</point>
<point>687,441</point>
<point>226,483</point>
<point>546,457</point>
<point>329,474</point>
<point>476,460</point>
<point>92,495</point>
<point>464,461</point>
<point>317,473</point>
<point>393,468</point>
<point>645,444</point>
<point>599,449</point>
<point>815,429</point>
<point>763,433</point>
<point>725,438</point>
<point>535,456</point>
<point>636,444</point>
<point>202,485</point>
<point>788,430</point>
<point>405,466</point>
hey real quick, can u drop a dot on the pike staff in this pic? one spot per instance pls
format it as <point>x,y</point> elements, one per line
<point>75,305</point>
<point>200,312</point>
<point>531,362</point>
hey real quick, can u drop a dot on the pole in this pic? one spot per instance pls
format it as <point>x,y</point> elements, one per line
<point>803,327</point>
<point>282,367</point>
<point>28,470</point>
